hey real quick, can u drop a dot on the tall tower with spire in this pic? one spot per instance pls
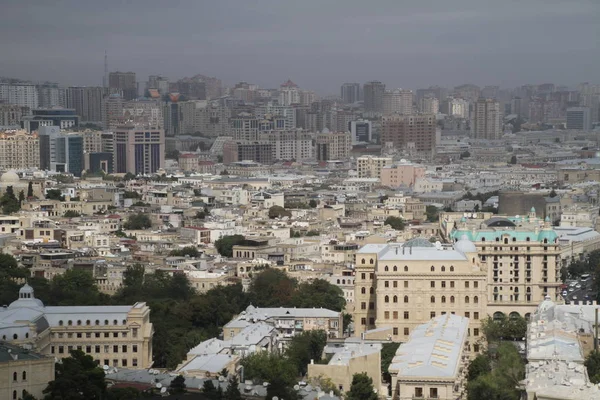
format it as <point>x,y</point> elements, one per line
<point>105,77</point>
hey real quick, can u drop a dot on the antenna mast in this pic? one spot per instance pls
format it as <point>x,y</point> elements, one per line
<point>105,78</point>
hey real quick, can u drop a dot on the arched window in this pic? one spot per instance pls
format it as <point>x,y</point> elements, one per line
<point>466,299</point>
<point>528,290</point>
<point>60,323</point>
<point>363,290</point>
<point>406,268</point>
<point>78,322</point>
<point>451,268</point>
<point>338,281</point>
<point>497,239</point>
<point>476,300</point>
<point>115,322</point>
<point>386,299</point>
<point>343,281</point>
<point>395,268</point>
<point>371,261</point>
<point>483,239</point>
<point>105,322</point>
<point>432,268</point>
<point>505,240</point>
<point>443,299</point>
<point>24,375</point>
<point>545,240</point>
<point>386,268</point>
<point>69,322</point>
<point>443,269</point>
<point>452,299</point>
<point>364,261</point>
<point>527,239</point>
<point>371,290</point>
<point>88,322</point>
<point>14,376</point>
<point>97,322</point>
<point>124,322</point>
<point>15,394</point>
<point>433,299</point>
<point>406,299</point>
<point>514,239</point>
<point>395,299</point>
<point>241,269</point>
<point>15,336</point>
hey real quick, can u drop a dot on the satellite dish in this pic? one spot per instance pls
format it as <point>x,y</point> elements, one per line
<point>296,387</point>
<point>105,367</point>
<point>159,385</point>
<point>163,390</point>
<point>265,384</point>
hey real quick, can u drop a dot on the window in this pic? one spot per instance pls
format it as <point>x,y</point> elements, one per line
<point>386,299</point>
<point>466,299</point>
<point>134,348</point>
<point>395,314</point>
<point>466,284</point>
<point>433,393</point>
<point>395,331</point>
<point>105,322</point>
<point>476,331</point>
<point>395,284</point>
<point>106,348</point>
<point>363,261</point>
<point>386,268</point>
<point>406,331</point>
<point>371,306</point>
<point>134,332</point>
<point>395,268</point>
<point>134,362</point>
<point>432,284</point>
<point>363,305</point>
<point>14,376</point>
<point>467,314</point>
<point>432,268</point>
<point>79,335</point>
<point>97,322</point>
<point>406,268</point>
<point>88,349</point>
<point>97,348</point>
<point>371,261</point>
<point>363,276</point>
<point>406,315</point>
<point>418,392</point>
<point>443,284</point>
<point>78,322</point>
<point>452,284</point>
<point>51,349</point>
<point>386,315</point>
<point>70,323</point>
<point>476,315</point>
<point>124,362</point>
<point>395,299</point>
<point>432,314</point>
<point>115,334</point>
<point>476,348</point>
<point>406,299</point>
<point>106,334</point>
<point>475,284</point>
<point>61,349</point>
<point>476,300</point>
<point>115,349</point>
<point>371,290</point>
<point>432,299</point>
<point>124,348</point>
<point>371,321</point>
<point>386,284</point>
<point>363,321</point>
<point>452,299</point>
<point>15,393</point>
<point>443,299</point>
<point>405,284</point>
<point>451,268</point>
<point>443,269</point>
<point>363,290</point>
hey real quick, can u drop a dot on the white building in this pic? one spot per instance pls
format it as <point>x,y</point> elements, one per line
<point>429,105</point>
<point>398,101</point>
<point>22,94</point>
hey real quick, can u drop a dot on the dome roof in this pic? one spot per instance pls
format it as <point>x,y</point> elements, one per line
<point>546,309</point>
<point>26,299</point>
<point>464,245</point>
<point>9,177</point>
<point>418,242</point>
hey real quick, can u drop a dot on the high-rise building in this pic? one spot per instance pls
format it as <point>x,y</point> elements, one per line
<point>438,92</point>
<point>50,95</point>
<point>289,93</point>
<point>468,92</point>
<point>410,132</point>
<point>59,151</point>
<point>373,96</point>
<point>456,107</point>
<point>138,150</point>
<point>11,114</point>
<point>112,111</point>
<point>64,118</point>
<point>397,101</point>
<point>289,145</point>
<point>124,82</point>
<point>20,94</point>
<point>351,93</point>
<point>307,97</point>
<point>486,122</point>
<point>19,150</point>
<point>579,118</point>
<point>333,145</point>
<point>429,105</point>
<point>490,92</point>
<point>361,131</point>
<point>191,89</point>
<point>269,109</point>
<point>87,102</point>
<point>160,83</point>
<point>246,150</point>
<point>144,112</point>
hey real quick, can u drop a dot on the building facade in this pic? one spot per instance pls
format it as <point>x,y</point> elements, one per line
<point>19,150</point>
<point>373,96</point>
<point>410,132</point>
<point>23,371</point>
<point>125,83</point>
<point>486,120</point>
<point>350,93</point>
<point>87,102</point>
<point>333,146</point>
<point>20,94</point>
<point>138,150</point>
<point>579,118</point>
<point>398,101</point>
<point>371,167</point>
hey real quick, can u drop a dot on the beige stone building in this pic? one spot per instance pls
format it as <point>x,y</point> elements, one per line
<point>119,336</point>
<point>370,167</point>
<point>404,285</point>
<point>23,371</point>
<point>19,150</point>
<point>403,173</point>
<point>433,363</point>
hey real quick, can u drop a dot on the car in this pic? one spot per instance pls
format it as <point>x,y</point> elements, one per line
<point>574,297</point>
<point>564,293</point>
<point>578,286</point>
<point>585,277</point>
<point>571,289</point>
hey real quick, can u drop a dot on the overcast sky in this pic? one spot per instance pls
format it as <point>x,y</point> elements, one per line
<point>319,44</point>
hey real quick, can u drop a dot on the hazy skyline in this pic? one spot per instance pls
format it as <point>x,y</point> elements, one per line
<point>317,44</point>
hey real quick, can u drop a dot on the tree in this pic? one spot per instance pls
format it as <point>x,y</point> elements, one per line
<point>272,288</point>
<point>312,203</point>
<point>173,154</point>
<point>219,159</point>
<point>305,347</point>
<point>125,393</point>
<point>210,391</point>
<point>361,388</point>
<point>552,194</point>
<point>592,364</point>
<point>9,201</point>
<point>432,213</point>
<point>225,245</point>
<point>30,189</point>
<point>513,160</point>
<point>278,212</point>
<point>21,198</point>
<point>75,287</point>
<point>278,388</point>
<point>129,194</point>
<point>233,390</point>
<point>190,251</point>
<point>77,377</point>
<point>465,154</point>
<point>319,294</point>
<point>396,223</point>
<point>268,367</point>
<point>388,351</point>
<point>313,233</point>
<point>128,176</point>
<point>347,320</point>
<point>178,385</point>
<point>55,194</point>
<point>71,214</point>
<point>138,221</point>
<point>479,366</point>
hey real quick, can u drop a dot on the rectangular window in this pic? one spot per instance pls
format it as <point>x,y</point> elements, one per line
<point>124,362</point>
<point>371,321</point>
<point>134,362</point>
<point>433,393</point>
<point>432,284</point>
<point>69,335</point>
<point>106,348</point>
<point>115,334</point>
<point>363,276</point>
<point>115,363</point>
<point>418,392</point>
<point>386,284</point>
<point>88,349</point>
<point>134,332</point>
<point>363,305</point>
<point>466,284</point>
<point>134,348</point>
<point>115,349</point>
<point>475,284</point>
<point>106,334</point>
<point>406,331</point>
<point>70,349</point>
<point>443,284</point>
<point>432,314</point>
<point>406,315</point>
<point>51,349</point>
<point>61,349</point>
<point>395,331</point>
<point>363,321</point>
<point>395,314</point>
<point>475,331</point>
<point>97,334</point>
<point>371,275</point>
<point>97,349</point>
<point>476,315</point>
<point>405,284</point>
<point>124,348</point>
<point>79,335</point>
<point>467,314</point>
<point>386,315</point>
<point>452,284</point>
<point>395,284</point>
<point>88,335</point>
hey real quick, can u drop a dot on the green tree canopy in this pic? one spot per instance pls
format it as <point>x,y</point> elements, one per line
<point>592,364</point>
<point>9,201</point>
<point>30,189</point>
<point>71,214</point>
<point>178,384</point>
<point>190,251</point>
<point>396,223</point>
<point>55,194</point>
<point>225,245</point>
<point>388,351</point>
<point>362,388</point>
<point>312,203</point>
<point>77,377</point>
<point>319,293</point>
<point>272,288</point>
<point>138,221</point>
<point>432,213</point>
<point>268,367</point>
<point>480,365</point>
<point>305,347</point>
<point>233,390</point>
<point>278,212</point>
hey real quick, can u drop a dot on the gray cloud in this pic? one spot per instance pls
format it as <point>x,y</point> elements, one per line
<point>319,44</point>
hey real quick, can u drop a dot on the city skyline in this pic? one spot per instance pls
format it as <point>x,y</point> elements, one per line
<point>356,43</point>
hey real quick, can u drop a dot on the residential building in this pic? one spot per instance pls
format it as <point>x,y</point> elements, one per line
<point>50,95</point>
<point>401,174</point>
<point>398,101</point>
<point>429,105</point>
<point>522,257</point>
<point>158,82</point>
<point>19,150</point>
<point>138,150</point>
<point>456,107</point>
<point>23,371</point>
<point>351,93</point>
<point>371,167</point>
<point>87,102</point>
<point>293,145</point>
<point>143,112</point>
<point>117,336</point>
<point>438,92</point>
<point>579,118</point>
<point>112,111</point>
<point>410,132</point>
<point>404,285</point>
<point>361,131</point>
<point>468,92</point>
<point>125,83</point>
<point>20,94</point>
<point>289,93</point>
<point>486,120</point>
<point>433,363</point>
<point>373,96</point>
<point>243,150</point>
<point>11,115</point>
<point>59,151</point>
<point>333,145</point>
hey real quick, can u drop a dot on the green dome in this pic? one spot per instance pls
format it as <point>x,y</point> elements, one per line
<point>547,234</point>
